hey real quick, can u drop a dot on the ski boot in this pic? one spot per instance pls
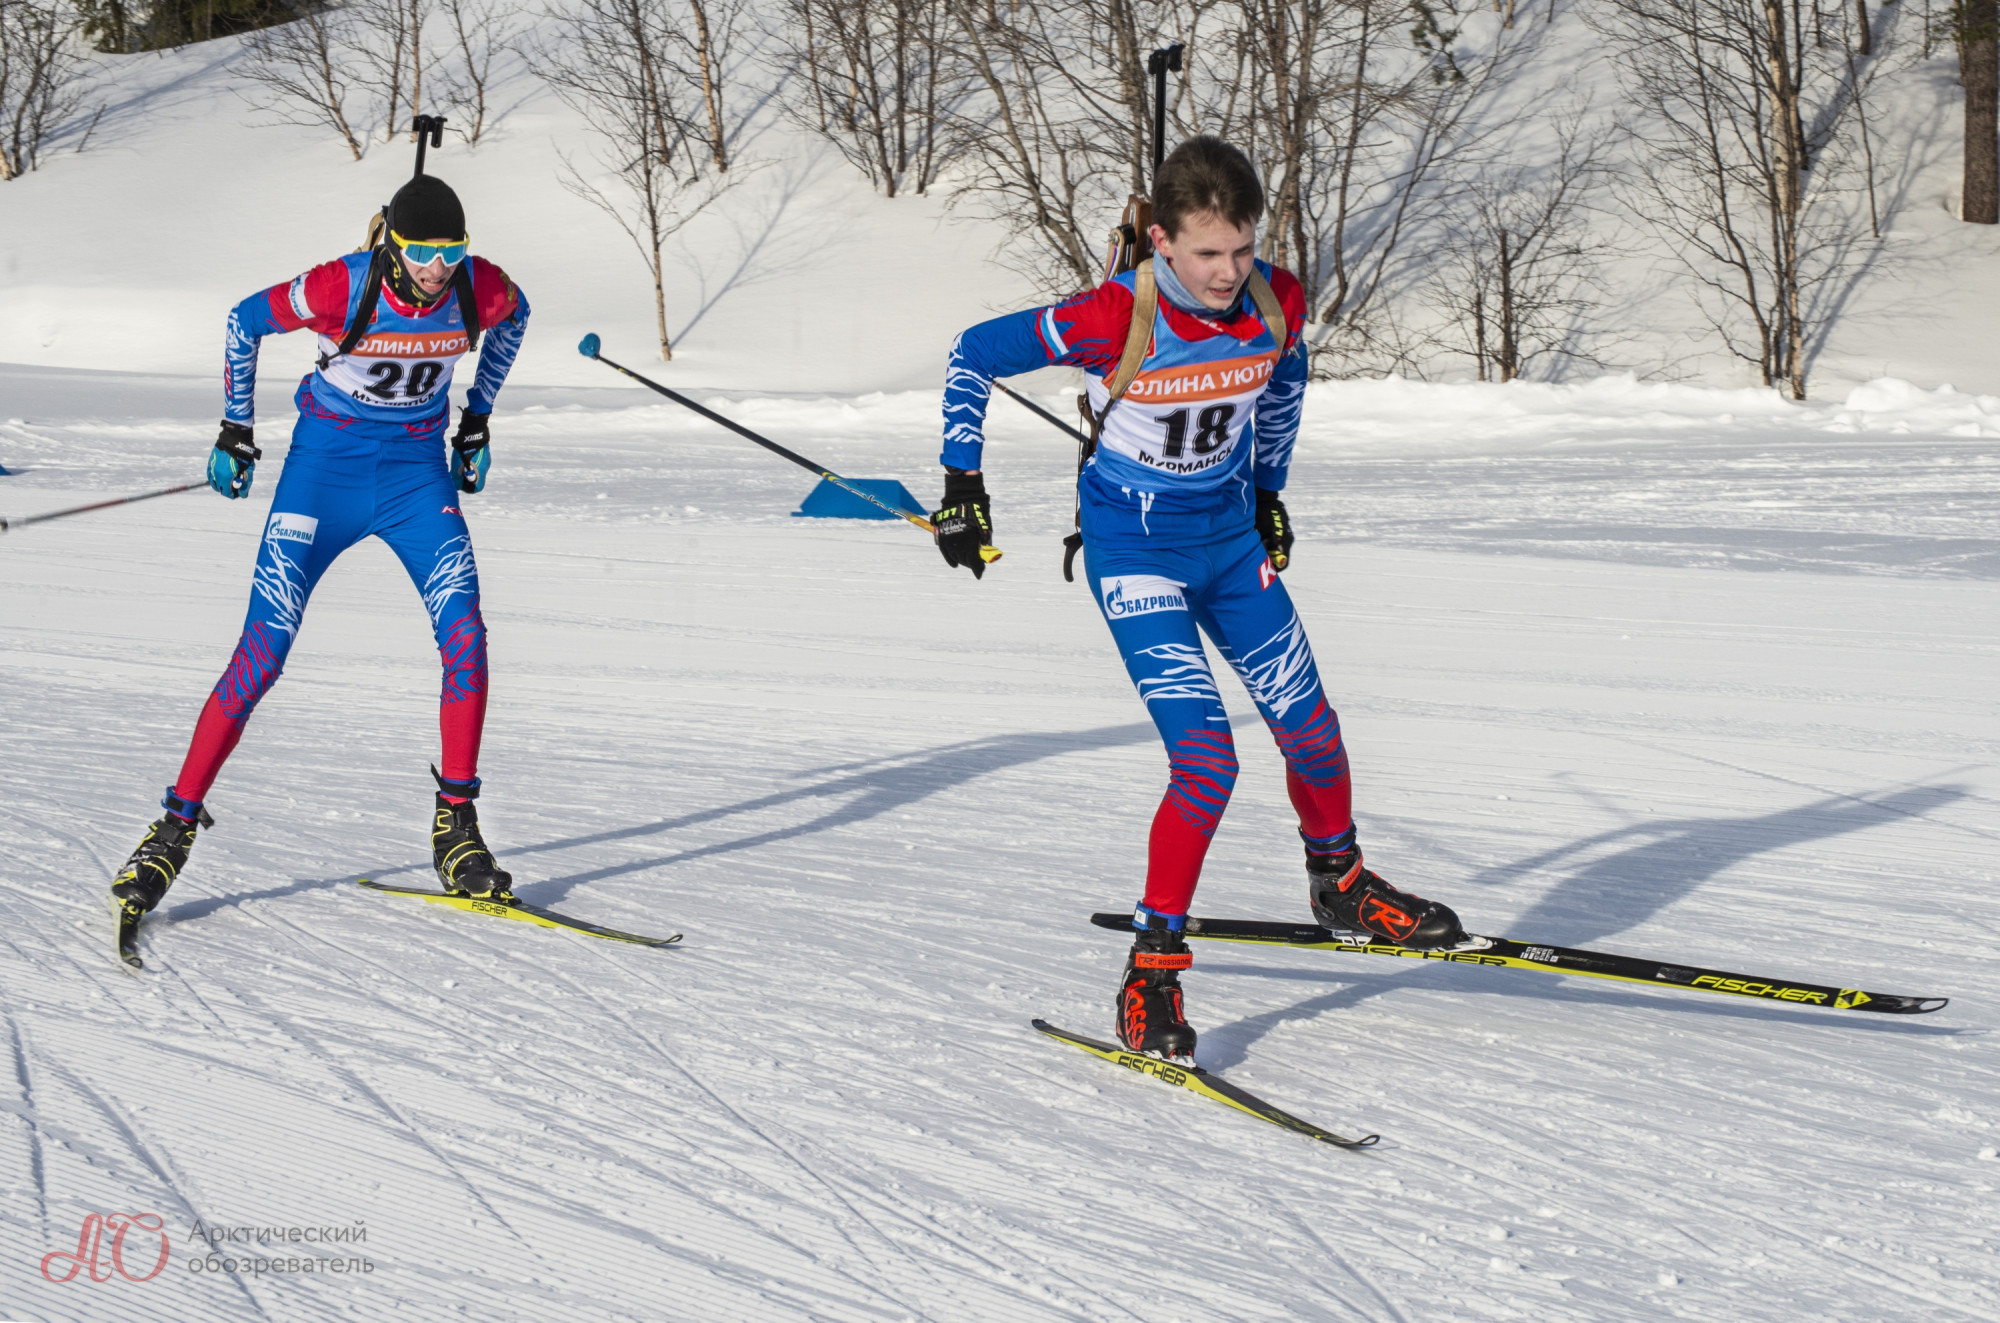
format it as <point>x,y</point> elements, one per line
<point>464,865</point>
<point>163,851</point>
<point>1346,894</point>
<point>1149,1000</point>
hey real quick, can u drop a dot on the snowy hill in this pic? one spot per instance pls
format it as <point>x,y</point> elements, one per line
<point>109,257</point>
<point>881,800</point>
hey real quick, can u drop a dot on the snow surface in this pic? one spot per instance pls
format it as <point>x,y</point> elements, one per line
<point>881,799</point>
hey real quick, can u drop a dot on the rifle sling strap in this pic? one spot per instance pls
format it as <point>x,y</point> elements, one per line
<point>1268,307</point>
<point>1138,335</point>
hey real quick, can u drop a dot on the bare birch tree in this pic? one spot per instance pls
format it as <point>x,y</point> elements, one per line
<point>1519,276</point>
<point>392,63</point>
<point>1058,135</point>
<point>304,71</point>
<point>632,69</point>
<point>711,45</point>
<point>1753,208</point>
<point>480,31</point>
<point>877,79</point>
<point>40,78</point>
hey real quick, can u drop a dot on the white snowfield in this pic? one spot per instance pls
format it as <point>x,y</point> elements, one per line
<point>881,800</point>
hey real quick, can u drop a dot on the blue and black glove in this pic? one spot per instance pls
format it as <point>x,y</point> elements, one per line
<point>469,453</point>
<point>1274,526</point>
<point>233,462</point>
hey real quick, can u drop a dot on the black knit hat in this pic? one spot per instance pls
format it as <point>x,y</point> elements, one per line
<point>426,208</point>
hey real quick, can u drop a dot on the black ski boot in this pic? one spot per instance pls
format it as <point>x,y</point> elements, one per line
<point>1149,1001</point>
<point>464,865</point>
<point>163,852</point>
<point>1345,894</point>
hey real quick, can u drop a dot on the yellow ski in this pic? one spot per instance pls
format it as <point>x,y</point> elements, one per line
<point>1196,1080</point>
<point>541,918</point>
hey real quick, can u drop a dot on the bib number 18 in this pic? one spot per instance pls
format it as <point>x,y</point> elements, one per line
<point>1211,430</point>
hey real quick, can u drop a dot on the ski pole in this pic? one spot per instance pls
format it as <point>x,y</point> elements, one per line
<point>1037,409</point>
<point>6,524</point>
<point>588,348</point>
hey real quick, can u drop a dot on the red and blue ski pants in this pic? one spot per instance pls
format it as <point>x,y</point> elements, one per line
<point>1159,602</point>
<point>336,489</point>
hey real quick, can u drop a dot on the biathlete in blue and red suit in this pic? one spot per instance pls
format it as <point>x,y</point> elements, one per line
<point>368,456</point>
<point>1184,534</point>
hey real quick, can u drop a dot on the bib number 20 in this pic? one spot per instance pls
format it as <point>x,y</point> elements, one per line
<point>387,375</point>
<point>1211,429</point>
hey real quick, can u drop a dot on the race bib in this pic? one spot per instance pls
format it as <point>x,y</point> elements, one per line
<point>395,369</point>
<point>1184,419</point>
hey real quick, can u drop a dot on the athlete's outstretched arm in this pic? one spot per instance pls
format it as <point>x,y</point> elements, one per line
<point>317,299</point>
<point>1276,419</point>
<point>503,310</point>
<point>1087,331</point>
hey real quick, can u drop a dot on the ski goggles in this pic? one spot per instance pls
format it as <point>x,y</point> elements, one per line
<point>423,254</point>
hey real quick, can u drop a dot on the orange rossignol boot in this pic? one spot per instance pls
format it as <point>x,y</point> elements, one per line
<point>1346,894</point>
<point>1150,1016</point>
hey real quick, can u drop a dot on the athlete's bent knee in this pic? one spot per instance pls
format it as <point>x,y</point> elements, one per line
<point>1202,776</point>
<point>462,651</point>
<point>254,667</point>
<point>1313,748</point>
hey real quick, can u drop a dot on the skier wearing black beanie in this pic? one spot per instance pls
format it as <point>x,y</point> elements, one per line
<point>424,208</point>
<point>368,456</point>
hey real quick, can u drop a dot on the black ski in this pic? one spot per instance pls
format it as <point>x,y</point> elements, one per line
<point>526,913</point>
<point>1196,1080</point>
<point>1504,953</point>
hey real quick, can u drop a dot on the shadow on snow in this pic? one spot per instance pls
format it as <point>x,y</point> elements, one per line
<point>1665,862</point>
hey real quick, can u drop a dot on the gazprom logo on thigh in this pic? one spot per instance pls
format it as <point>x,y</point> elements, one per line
<point>1141,595</point>
<point>292,528</point>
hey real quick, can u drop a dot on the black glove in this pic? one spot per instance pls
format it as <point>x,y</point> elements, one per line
<point>1275,527</point>
<point>964,523</point>
<point>233,462</point>
<point>470,456</point>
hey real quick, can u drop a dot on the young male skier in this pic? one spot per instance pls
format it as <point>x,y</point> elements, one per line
<point>367,457</point>
<point>1183,530</point>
